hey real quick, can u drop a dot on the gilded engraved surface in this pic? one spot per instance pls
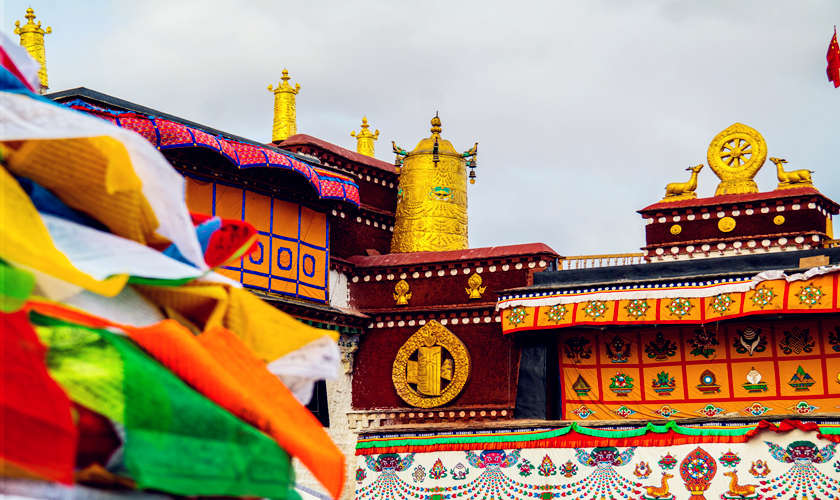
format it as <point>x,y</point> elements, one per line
<point>401,293</point>
<point>32,39</point>
<point>735,155</point>
<point>474,288</point>
<point>432,204</point>
<point>285,115</point>
<point>431,368</point>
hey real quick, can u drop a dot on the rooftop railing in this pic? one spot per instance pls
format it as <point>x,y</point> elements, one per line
<point>601,260</point>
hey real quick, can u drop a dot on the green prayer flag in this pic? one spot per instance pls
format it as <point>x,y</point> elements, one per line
<point>15,287</point>
<point>176,440</point>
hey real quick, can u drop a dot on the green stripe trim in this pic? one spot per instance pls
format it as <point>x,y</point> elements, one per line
<point>586,431</point>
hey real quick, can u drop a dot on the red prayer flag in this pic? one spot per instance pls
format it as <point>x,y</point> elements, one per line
<point>833,58</point>
<point>37,434</point>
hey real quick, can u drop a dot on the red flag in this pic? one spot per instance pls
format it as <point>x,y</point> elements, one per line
<point>833,58</point>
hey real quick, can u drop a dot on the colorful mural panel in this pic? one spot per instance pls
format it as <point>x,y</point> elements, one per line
<point>744,369</point>
<point>292,253</point>
<point>795,464</point>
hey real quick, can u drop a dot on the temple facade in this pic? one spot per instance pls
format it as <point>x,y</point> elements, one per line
<point>705,366</point>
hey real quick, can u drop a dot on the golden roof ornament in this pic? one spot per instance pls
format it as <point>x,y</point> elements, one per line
<point>401,293</point>
<point>432,195</point>
<point>474,288</point>
<point>285,111</point>
<point>793,178</point>
<point>735,155</point>
<point>676,191</point>
<point>32,39</point>
<point>365,139</point>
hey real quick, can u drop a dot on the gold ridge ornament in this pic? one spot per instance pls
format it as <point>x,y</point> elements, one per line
<point>474,288</point>
<point>735,155</point>
<point>431,368</point>
<point>793,178</point>
<point>676,191</point>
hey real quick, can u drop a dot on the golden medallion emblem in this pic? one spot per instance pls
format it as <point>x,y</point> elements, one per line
<point>735,155</point>
<point>726,224</point>
<point>431,368</point>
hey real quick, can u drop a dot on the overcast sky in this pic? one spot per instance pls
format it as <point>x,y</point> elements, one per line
<point>584,110</point>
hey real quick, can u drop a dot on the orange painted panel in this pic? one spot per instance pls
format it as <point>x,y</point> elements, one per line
<point>313,227</point>
<point>199,196</point>
<point>260,259</point>
<point>258,210</point>
<point>313,265</point>
<point>702,386</point>
<point>628,390</point>
<point>255,280</point>
<point>285,219</point>
<point>228,202</point>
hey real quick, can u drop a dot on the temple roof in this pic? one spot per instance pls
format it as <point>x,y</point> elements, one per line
<point>743,265</point>
<point>308,140</point>
<point>731,199</point>
<point>414,258</point>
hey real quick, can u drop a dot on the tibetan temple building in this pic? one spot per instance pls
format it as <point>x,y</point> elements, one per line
<point>705,366</point>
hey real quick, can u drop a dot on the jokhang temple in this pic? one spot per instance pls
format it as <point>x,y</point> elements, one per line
<point>705,366</point>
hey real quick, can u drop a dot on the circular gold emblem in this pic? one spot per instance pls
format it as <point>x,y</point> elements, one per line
<point>726,224</point>
<point>676,229</point>
<point>735,155</point>
<point>779,220</point>
<point>431,368</point>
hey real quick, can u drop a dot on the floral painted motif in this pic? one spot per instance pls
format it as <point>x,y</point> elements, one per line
<point>660,348</point>
<point>517,316</point>
<point>569,469</point>
<point>834,339</point>
<point>797,341</point>
<point>547,467</point>
<point>803,408</point>
<point>618,350</point>
<point>419,474</point>
<point>525,467</point>
<point>721,303</point>
<point>702,343</point>
<point>756,409</point>
<point>460,472</point>
<point>667,462</point>
<point>642,470</point>
<point>759,468</point>
<point>762,296</point>
<point>729,459</point>
<point>577,349</point>
<point>637,308</point>
<point>621,384</point>
<point>801,380</point>
<point>749,341</point>
<point>582,412</point>
<point>710,410</point>
<point>360,475</point>
<point>680,307</point>
<point>666,411</point>
<point>663,384</point>
<point>624,412</point>
<point>810,295</point>
<point>557,313</point>
<point>438,471</point>
<point>595,309</point>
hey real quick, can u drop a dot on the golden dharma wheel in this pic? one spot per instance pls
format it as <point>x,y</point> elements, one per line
<point>735,155</point>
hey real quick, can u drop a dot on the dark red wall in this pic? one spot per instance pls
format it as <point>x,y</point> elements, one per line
<point>494,359</point>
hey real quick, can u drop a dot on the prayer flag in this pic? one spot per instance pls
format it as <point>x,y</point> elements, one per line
<point>833,58</point>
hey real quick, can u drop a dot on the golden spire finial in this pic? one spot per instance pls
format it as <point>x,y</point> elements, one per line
<point>285,112</point>
<point>365,139</point>
<point>436,128</point>
<point>32,39</point>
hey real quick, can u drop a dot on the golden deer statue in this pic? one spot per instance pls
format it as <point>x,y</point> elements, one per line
<point>683,190</point>
<point>661,491</point>
<point>739,490</point>
<point>792,179</point>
